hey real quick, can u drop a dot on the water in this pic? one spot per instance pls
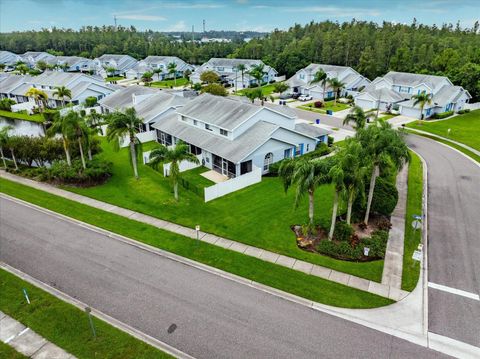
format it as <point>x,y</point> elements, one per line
<point>22,128</point>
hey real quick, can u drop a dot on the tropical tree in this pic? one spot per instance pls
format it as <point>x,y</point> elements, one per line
<point>79,132</point>
<point>336,175</point>
<point>61,92</point>
<point>257,72</point>
<point>22,68</point>
<point>279,87</point>
<point>242,68</point>
<point>2,67</point>
<point>41,65</point>
<point>125,124</point>
<point>209,77</point>
<point>306,175</point>
<point>422,99</point>
<point>147,77</point>
<point>172,70</point>
<point>384,147</point>
<point>358,117</point>
<point>174,156</point>
<point>39,96</point>
<point>111,71</point>
<point>253,94</point>
<point>63,126</point>
<point>336,85</point>
<point>320,78</point>
<point>215,89</point>
<point>157,71</point>
<point>4,139</point>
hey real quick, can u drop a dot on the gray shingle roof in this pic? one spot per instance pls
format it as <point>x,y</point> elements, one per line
<point>219,111</point>
<point>215,61</point>
<point>157,104</point>
<point>383,94</point>
<point>405,78</point>
<point>232,150</point>
<point>9,82</point>
<point>122,99</point>
<point>310,130</point>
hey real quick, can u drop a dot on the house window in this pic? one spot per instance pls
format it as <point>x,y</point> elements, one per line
<point>267,161</point>
<point>184,119</point>
<point>223,132</point>
<point>299,150</point>
<point>302,76</point>
<point>245,167</point>
<point>195,122</point>
<point>207,127</point>
<point>308,147</point>
<point>287,153</point>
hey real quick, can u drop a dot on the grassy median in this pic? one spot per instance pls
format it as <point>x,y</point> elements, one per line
<point>411,267</point>
<point>307,286</point>
<point>67,326</point>
<point>7,351</point>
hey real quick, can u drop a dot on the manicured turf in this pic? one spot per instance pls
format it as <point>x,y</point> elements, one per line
<point>387,117</point>
<point>260,215</point>
<point>67,326</point>
<point>329,105</point>
<point>193,176</point>
<point>464,128</point>
<point>7,352</point>
<point>411,267</point>
<point>114,78</point>
<point>282,278</point>
<point>22,116</point>
<point>267,90</point>
<point>167,83</point>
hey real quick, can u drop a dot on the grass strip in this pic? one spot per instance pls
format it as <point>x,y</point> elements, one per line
<point>67,326</point>
<point>411,267</point>
<point>6,351</point>
<point>22,116</point>
<point>288,280</point>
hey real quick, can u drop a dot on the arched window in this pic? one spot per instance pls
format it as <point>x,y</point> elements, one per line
<point>267,161</point>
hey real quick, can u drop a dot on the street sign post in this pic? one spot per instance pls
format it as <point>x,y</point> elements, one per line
<point>197,230</point>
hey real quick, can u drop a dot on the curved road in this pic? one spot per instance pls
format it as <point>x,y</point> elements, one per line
<point>453,241</point>
<point>215,317</point>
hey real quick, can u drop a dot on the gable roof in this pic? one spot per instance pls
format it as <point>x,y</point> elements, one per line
<point>406,78</point>
<point>157,104</point>
<point>216,61</point>
<point>311,130</point>
<point>122,99</point>
<point>383,94</point>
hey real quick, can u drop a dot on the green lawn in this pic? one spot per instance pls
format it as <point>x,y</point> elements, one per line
<point>411,268</point>
<point>150,145</point>
<point>259,215</point>
<point>329,105</point>
<point>182,81</point>
<point>67,326</point>
<point>7,352</point>
<point>267,90</point>
<point>193,176</point>
<point>464,128</point>
<point>22,116</point>
<point>270,274</point>
<point>387,116</point>
<point>114,78</point>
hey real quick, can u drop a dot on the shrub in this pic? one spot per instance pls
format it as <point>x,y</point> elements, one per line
<point>330,141</point>
<point>49,115</point>
<point>215,89</point>
<point>385,197</point>
<point>384,224</point>
<point>97,171</point>
<point>377,244</point>
<point>6,104</point>
<point>318,104</point>
<point>253,85</point>
<point>461,112</point>
<point>442,115</point>
<point>343,231</point>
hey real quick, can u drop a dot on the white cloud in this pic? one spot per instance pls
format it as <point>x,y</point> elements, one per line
<point>141,17</point>
<point>178,26</point>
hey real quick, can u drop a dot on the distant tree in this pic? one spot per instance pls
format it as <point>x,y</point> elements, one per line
<point>147,78</point>
<point>39,96</point>
<point>337,86</point>
<point>22,68</point>
<point>6,104</point>
<point>110,71</point>
<point>209,77</point>
<point>4,139</point>
<point>422,99</point>
<point>253,94</point>
<point>157,71</point>
<point>242,68</point>
<point>2,67</point>
<point>215,89</point>
<point>320,78</point>
<point>41,65</point>
<point>172,70</point>
<point>62,92</point>
<point>279,87</point>
<point>63,126</point>
<point>258,73</point>
<point>358,117</point>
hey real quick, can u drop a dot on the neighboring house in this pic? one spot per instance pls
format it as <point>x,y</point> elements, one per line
<point>73,63</point>
<point>80,85</point>
<point>32,57</point>
<point>9,59</point>
<point>125,98</point>
<point>121,64</point>
<point>152,63</point>
<point>301,81</point>
<point>233,137</point>
<point>395,90</point>
<point>228,71</point>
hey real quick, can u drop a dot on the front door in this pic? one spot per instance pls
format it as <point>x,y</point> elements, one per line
<point>224,167</point>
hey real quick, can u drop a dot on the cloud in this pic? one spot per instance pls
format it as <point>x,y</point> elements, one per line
<point>141,17</point>
<point>177,27</point>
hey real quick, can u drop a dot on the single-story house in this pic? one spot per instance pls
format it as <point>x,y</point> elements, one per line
<point>301,81</point>
<point>126,97</point>
<point>121,64</point>
<point>152,63</point>
<point>233,137</point>
<point>394,91</point>
<point>9,59</point>
<point>32,57</point>
<point>227,70</point>
<point>73,63</point>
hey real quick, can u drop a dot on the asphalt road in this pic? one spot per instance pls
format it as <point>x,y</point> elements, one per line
<point>215,317</point>
<point>453,239</point>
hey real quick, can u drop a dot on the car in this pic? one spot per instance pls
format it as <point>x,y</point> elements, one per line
<point>305,98</point>
<point>296,95</point>
<point>285,96</point>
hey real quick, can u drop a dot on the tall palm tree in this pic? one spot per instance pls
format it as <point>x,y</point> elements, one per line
<point>241,68</point>
<point>61,92</point>
<point>174,156</point>
<point>39,96</point>
<point>336,85</point>
<point>321,78</point>
<point>4,139</point>
<point>337,176</point>
<point>79,132</point>
<point>384,146</point>
<point>63,126</point>
<point>257,72</point>
<point>358,117</point>
<point>423,99</point>
<point>111,70</point>
<point>121,124</point>
<point>307,175</point>
<point>172,70</point>
<point>157,71</point>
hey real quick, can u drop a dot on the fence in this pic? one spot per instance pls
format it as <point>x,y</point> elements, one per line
<point>183,166</point>
<point>143,137</point>
<point>191,187</point>
<point>232,185</point>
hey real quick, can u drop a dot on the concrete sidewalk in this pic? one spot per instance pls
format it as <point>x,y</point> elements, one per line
<point>26,341</point>
<point>383,290</point>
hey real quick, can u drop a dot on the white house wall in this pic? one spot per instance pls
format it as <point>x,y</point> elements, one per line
<point>267,116</point>
<point>277,148</point>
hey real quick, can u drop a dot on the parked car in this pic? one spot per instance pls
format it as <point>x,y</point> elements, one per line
<point>285,96</point>
<point>296,95</point>
<point>305,98</point>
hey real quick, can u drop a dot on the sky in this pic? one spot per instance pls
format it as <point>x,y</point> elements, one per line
<point>238,15</point>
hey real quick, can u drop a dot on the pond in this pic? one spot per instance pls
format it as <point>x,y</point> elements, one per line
<point>22,128</point>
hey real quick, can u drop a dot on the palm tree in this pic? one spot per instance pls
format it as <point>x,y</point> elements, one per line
<point>321,78</point>
<point>39,96</point>
<point>337,176</point>
<point>172,70</point>
<point>147,78</point>
<point>125,124</point>
<point>4,139</point>
<point>62,125</point>
<point>62,92</point>
<point>241,68</point>
<point>384,146</point>
<point>157,71</point>
<point>174,156</point>
<point>79,132</point>
<point>111,70</point>
<point>423,99</point>
<point>307,175</point>
<point>257,72</point>
<point>358,117</point>
<point>336,85</point>
<point>22,68</point>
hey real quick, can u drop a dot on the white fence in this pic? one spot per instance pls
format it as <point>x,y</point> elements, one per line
<point>28,106</point>
<point>280,78</point>
<point>472,106</point>
<point>78,108</point>
<point>232,185</point>
<point>143,137</point>
<point>183,166</point>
